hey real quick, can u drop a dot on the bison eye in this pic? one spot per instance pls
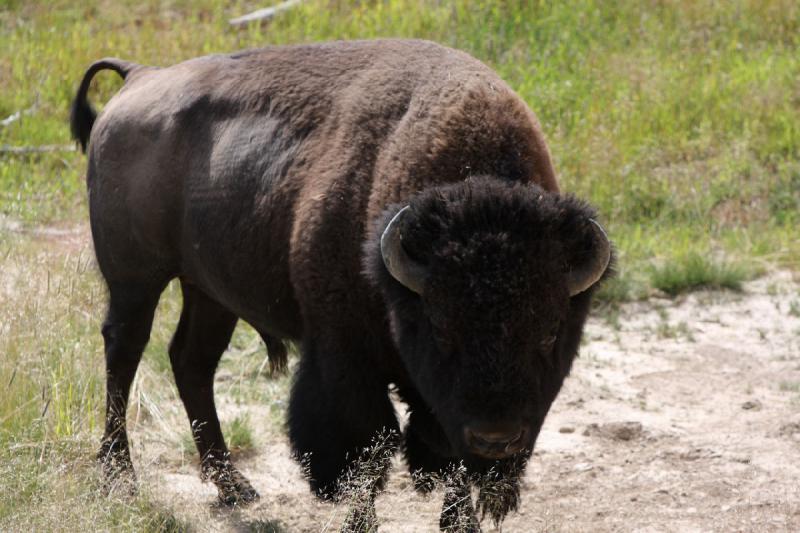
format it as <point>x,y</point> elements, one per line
<point>551,337</point>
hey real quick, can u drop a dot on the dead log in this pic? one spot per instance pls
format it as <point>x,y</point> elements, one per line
<point>264,14</point>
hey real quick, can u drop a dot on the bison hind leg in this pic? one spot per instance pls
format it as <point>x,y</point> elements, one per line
<point>126,331</point>
<point>204,331</point>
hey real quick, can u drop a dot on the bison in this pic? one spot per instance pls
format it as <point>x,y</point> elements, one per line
<point>388,205</point>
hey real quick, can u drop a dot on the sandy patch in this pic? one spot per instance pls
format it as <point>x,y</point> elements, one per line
<point>679,416</point>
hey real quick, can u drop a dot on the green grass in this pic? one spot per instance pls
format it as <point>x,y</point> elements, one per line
<point>238,436</point>
<point>695,271</point>
<point>679,120</point>
<point>623,286</point>
<point>266,526</point>
<point>52,391</point>
<point>665,330</point>
<point>789,386</point>
<point>61,494</point>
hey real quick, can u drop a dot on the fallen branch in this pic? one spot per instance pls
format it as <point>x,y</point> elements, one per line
<point>7,149</point>
<point>264,14</point>
<point>16,116</point>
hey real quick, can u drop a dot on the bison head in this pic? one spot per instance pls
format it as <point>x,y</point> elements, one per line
<point>487,286</point>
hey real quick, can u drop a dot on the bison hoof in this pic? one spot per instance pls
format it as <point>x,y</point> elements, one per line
<point>234,489</point>
<point>457,522</point>
<point>361,519</point>
<point>497,499</point>
<point>424,482</point>
<point>458,514</point>
<point>238,496</point>
<point>119,476</point>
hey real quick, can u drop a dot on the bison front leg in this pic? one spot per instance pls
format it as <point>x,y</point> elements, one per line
<point>458,514</point>
<point>498,495</point>
<point>343,430</point>
<point>203,333</point>
<point>499,488</point>
<point>429,467</point>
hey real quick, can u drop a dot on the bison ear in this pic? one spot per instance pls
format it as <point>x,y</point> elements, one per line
<point>402,268</point>
<point>592,264</point>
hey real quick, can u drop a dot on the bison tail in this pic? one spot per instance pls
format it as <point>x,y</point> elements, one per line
<point>82,116</point>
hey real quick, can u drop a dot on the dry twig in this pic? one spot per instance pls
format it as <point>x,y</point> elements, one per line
<point>8,149</point>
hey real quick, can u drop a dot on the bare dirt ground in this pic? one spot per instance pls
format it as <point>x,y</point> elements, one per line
<point>680,415</point>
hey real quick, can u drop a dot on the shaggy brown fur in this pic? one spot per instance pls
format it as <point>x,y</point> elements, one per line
<point>261,179</point>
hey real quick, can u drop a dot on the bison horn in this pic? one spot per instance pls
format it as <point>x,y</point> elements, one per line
<point>398,263</point>
<point>593,269</point>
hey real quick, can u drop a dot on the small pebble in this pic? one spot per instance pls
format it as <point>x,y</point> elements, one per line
<point>751,405</point>
<point>566,429</point>
<point>627,431</point>
<point>582,467</point>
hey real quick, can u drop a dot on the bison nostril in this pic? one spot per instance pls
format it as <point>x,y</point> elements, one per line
<point>495,440</point>
<point>514,444</point>
<point>496,437</point>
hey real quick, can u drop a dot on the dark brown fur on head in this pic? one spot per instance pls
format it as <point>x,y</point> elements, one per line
<point>492,335</point>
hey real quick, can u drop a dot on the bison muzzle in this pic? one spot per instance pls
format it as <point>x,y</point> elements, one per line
<point>391,207</point>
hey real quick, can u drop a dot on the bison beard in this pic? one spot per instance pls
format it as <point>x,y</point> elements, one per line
<point>388,205</point>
